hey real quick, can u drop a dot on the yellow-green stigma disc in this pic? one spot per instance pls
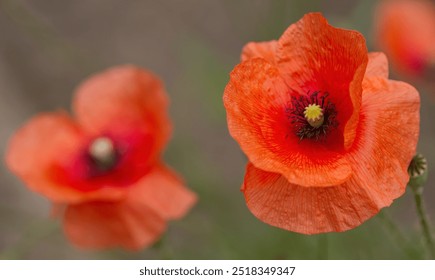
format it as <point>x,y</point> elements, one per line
<point>314,115</point>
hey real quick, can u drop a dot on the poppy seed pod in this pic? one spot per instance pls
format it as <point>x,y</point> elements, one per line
<point>417,172</point>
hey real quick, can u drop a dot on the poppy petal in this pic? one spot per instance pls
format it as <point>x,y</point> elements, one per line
<point>315,56</point>
<point>391,132</point>
<point>405,30</point>
<point>99,225</point>
<point>164,192</point>
<point>377,65</point>
<point>126,97</point>
<point>45,142</point>
<point>275,201</point>
<point>256,99</point>
<point>389,127</point>
<point>265,50</point>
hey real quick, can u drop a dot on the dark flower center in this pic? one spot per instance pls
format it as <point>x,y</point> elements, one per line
<point>103,155</point>
<point>312,116</point>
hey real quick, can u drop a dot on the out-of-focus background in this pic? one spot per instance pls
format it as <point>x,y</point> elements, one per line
<point>48,47</point>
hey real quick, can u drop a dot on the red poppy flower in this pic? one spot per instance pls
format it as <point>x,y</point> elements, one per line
<point>405,30</point>
<point>329,137</point>
<point>104,166</point>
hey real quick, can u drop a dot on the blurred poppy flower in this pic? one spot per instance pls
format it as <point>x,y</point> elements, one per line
<point>405,30</point>
<point>329,137</point>
<point>103,168</point>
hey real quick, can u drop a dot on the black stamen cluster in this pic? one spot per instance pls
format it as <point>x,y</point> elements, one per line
<point>302,128</point>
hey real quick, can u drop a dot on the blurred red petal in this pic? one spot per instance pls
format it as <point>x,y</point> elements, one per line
<point>42,145</point>
<point>125,97</point>
<point>163,191</point>
<point>405,31</point>
<point>100,225</point>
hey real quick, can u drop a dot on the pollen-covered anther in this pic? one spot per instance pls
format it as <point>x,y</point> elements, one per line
<point>103,153</point>
<point>313,113</point>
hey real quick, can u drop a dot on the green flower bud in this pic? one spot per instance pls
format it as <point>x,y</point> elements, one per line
<point>417,171</point>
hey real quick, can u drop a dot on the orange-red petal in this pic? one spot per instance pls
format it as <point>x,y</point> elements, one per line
<point>377,65</point>
<point>315,56</point>
<point>100,225</point>
<point>265,50</point>
<point>256,99</point>
<point>163,191</point>
<point>275,201</point>
<point>126,97</point>
<point>42,144</point>
<point>388,129</point>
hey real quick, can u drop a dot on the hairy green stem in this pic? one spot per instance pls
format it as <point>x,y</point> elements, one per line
<point>424,221</point>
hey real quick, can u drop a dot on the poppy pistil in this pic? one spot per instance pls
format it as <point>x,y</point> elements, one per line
<point>103,153</point>
<point>314,115</point>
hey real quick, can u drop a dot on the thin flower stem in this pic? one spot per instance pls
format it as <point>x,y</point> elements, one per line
<point>424,221</point>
